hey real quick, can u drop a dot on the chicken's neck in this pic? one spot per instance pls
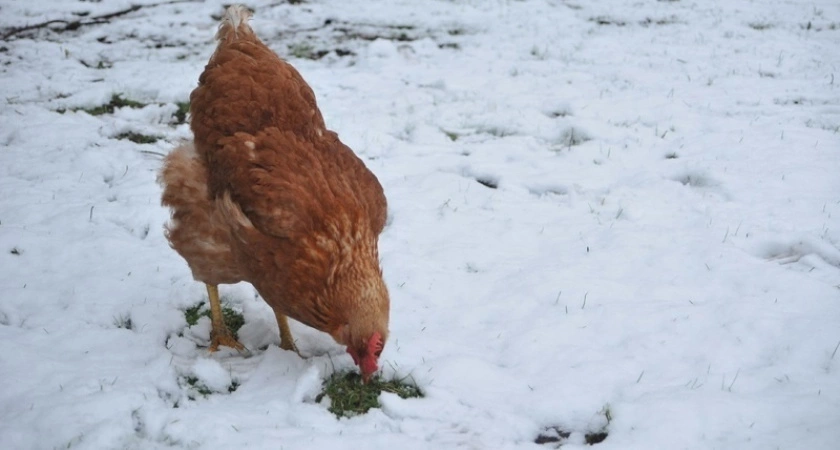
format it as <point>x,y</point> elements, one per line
<point>332,283</point>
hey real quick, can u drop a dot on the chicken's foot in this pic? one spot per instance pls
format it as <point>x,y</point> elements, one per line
<point>219,333</point>
<point>286,340</point>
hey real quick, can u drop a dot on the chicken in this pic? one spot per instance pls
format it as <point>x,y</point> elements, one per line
<point>267,194</point>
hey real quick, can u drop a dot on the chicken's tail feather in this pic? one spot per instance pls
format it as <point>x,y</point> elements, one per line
<point>234,23</point>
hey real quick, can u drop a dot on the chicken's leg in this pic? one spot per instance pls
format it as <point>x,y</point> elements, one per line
<point>219,334</point>
<point>286,340</point>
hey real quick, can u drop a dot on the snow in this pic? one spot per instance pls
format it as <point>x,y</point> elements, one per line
<point>211,374</point>
<point>661,245</point>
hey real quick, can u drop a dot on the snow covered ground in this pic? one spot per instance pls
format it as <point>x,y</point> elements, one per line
<point>612,215</point>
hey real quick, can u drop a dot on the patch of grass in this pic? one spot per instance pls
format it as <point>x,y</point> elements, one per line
<point>596,438</point>
<point>453,136</point>
<point>234,385</point>
<point>233,319</point>
<point>552,435</point>
<point>390,32</point>
<point>99,65</point>
<point>605,20</point>
<point>496,131</point>
<point>117,101</point>
<point>193,313</point>
<point>305,50</point>
<point>660,21</point>
<point>760,26</point>
<point>646,22</point>
<point>196,384</point>
<point>349,397</point>
<point>123,321</point>
<point>559,112</point>
<point>558,436</point>
<point>572,136</point>
<point>181,114</point>
<point>138,137</point>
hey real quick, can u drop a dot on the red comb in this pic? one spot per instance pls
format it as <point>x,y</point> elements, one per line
<point>368,362</point>
<point>375,344</point>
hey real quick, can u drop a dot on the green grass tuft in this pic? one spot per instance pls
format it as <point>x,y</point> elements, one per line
<point>193,313</point>
<point>123,321</point>
<point>304,50</point>
<point>181,114</point>
<point>233,319</point>
<point>453,136</point>
<point>138,138</point>
<point>199,387</point>
<point>196,386</point>
<point>349,397</point>
<point>117,101</point>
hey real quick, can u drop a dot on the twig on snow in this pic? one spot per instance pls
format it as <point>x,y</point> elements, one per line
<point>70,25</point>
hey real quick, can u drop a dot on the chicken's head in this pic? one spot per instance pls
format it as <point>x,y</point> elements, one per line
<point>361,304</point>
<point>366,356</point>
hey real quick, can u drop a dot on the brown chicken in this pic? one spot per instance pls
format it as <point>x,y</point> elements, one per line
<point>268,195</point>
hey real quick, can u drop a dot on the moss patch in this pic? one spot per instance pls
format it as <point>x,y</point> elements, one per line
<point>349,397</point>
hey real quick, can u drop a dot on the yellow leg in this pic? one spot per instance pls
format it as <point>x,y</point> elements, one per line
<point>286,340</point>
<point>219,334</point>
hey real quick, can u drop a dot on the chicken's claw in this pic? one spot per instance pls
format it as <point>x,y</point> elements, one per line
<point>219,332</point>
<point>287,342</point>
<point>219,338</point>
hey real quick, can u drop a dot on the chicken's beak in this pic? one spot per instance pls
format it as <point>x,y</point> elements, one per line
<point>365,378</point>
